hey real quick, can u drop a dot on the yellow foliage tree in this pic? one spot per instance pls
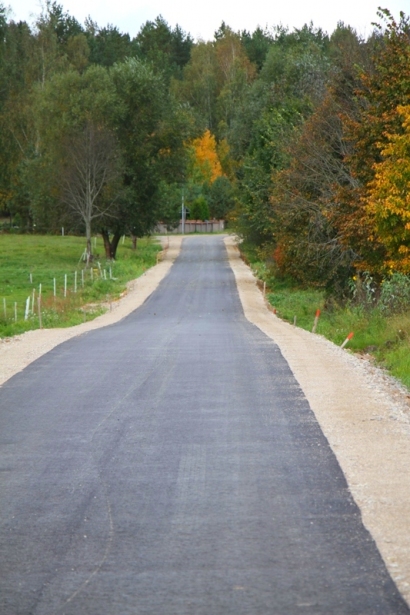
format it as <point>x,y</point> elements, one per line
<point>206,163</point>
<point>388,202</point>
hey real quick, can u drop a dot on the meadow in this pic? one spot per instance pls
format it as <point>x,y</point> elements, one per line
<point>52,268</point>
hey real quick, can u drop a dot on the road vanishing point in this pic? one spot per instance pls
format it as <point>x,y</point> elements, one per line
<point>170,464</point>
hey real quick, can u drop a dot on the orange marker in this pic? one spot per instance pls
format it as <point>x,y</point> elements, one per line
<point>349,337</point>
<point>316,321</point>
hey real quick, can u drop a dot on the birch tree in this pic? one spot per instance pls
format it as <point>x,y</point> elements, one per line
<point>89,177</point>
<point>76,119</point>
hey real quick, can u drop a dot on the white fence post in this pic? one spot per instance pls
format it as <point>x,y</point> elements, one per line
<point>26,313</point>
<point>39,311</point>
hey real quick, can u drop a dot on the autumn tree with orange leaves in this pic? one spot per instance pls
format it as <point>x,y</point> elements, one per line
<point>206,166</point>
<point>388,199</point>
<point>384,87</point>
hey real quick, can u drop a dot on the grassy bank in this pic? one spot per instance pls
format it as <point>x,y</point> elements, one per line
<point>385,337</point>
<point>28,261</point>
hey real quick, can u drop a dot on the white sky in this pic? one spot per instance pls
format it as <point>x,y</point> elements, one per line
<point>201,19</point>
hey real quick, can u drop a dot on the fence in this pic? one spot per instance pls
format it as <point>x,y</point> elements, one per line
<point>194,226</point>
<point>69,284</point>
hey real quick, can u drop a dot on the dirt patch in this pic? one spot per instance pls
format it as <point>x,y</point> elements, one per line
<point>363,413</point>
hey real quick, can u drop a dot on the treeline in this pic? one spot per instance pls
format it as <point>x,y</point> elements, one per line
<point>90,132</point>
<point>325,175</point>
<point>303,137</point>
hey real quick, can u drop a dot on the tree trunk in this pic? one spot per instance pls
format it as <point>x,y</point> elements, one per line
<point>107,244</point>
<point>134,241</point>
<point>114,244</point>
<point>110,245</point>
<point>88,237</point>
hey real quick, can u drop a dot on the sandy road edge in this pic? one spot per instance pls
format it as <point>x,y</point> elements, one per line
<point>362,416</point>
<point>18,352</point>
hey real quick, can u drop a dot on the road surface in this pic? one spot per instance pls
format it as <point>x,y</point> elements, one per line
<point>170,464</point>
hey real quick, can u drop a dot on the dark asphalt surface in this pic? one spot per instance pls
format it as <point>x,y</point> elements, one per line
<point>170,464</point>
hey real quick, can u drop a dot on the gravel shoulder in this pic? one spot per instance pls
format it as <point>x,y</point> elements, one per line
<point>364,414</point>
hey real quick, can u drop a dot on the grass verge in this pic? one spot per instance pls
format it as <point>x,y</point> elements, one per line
<point>386,338</point>
<point>28,261</point>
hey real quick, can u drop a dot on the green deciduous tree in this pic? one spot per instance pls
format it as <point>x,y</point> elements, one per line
<point>199,85</point>
<point>221,198</point>
<point>151,130</point>
<point>90,175</point>
<point>78,155</point>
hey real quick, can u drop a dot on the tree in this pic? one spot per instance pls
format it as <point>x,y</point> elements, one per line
<point>151,130</point>
<point>54,29</point>
<point>206,182</point>
<point>221,198</point>
<point>257,45</point>
<point>305,242</point>
<point>383,87</point>
<point>199,209</point>
<point>108,45</point>
<point>108,138</point>
<point>215,79</point>
<point>167,49</point>
<point>90,175</point>
<point>62,23</point>
<point>235,73</point>
<point>206,166</point>
<point>388,198</point>
<point>294,155</point>
<point>170,200</point>
<point>254,218</point>
<point>199,85</point>
<point>78,156</point>
<point>296,67</point>
<point>31,58</point>
<point>16,127</point>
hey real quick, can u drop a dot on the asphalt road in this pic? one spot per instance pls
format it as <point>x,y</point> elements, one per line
<point>170,465</point>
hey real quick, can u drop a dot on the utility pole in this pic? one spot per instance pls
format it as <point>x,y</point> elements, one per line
<point>183,214</point>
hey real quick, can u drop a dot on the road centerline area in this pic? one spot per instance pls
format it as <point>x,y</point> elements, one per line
<point>170,464</point>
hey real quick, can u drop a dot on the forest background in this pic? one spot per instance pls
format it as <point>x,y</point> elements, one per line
<point>300,139</point>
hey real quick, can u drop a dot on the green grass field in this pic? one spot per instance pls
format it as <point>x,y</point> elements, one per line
<point>28,261</point>
<point>385,337</point>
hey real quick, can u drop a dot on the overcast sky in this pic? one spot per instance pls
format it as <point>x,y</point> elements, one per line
<point>201,19</point>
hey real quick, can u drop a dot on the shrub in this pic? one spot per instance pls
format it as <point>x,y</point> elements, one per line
<point>395,294</point>
<point>199,209</point>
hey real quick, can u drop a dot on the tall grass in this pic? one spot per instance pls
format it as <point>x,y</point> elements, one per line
<point>26,261</point>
